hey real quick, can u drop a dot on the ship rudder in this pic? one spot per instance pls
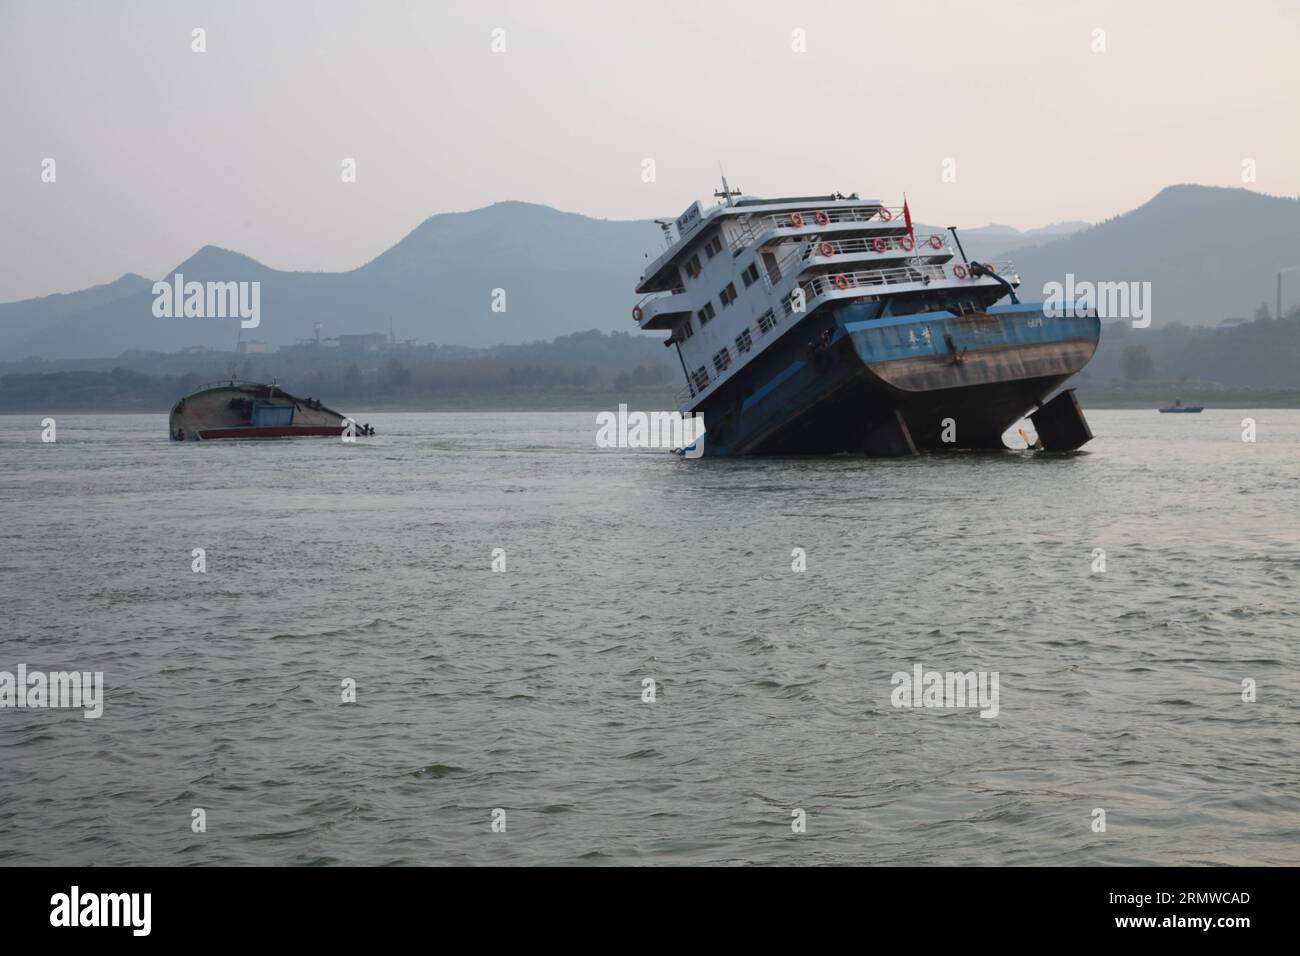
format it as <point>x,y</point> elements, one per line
<point>890,438</point>
<point>1060,423</point>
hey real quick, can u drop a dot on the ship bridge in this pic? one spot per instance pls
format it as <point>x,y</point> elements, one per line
<point>752,220</point>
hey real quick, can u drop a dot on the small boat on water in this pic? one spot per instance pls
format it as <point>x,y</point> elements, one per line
<point>1178,406</point>
<point>236,409</point>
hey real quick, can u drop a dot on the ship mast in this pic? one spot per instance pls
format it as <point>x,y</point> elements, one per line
<point>726,193</point>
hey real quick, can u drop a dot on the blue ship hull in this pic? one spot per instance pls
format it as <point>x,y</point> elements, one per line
<point>845,380</point>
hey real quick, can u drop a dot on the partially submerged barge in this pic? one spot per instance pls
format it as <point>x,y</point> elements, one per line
<point>236,409</point>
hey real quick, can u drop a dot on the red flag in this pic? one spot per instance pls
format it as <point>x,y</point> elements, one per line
<point>907,218</point>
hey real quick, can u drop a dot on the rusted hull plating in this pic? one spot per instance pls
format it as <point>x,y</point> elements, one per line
<point>903,384</point>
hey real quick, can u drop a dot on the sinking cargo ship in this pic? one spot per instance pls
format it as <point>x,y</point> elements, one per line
<point>817,325</point>
<point>235,409</point>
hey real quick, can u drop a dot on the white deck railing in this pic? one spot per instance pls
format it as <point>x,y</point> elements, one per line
<point>752,227</point>
<point>922,246</point>
<point>872,280</point>
<point>815,248</point>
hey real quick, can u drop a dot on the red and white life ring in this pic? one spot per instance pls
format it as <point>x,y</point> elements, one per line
<point>885,214</point>
<point>821,218</point>
<point>637,313</point>
<point>826,249</point>
<point>796,220</point>
<point>936,242</point>
<point>841,282</point>
<point>879,244</point>
<point>906,244</point>
<point>959,271</point>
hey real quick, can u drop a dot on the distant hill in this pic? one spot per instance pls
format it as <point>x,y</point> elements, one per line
<point>561,273</point>
<point>19,319</point>
<point>1210,253</point>
<point>994,241</point>
<point>1261,354</point>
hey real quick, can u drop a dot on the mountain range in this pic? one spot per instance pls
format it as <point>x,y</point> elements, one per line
<point>1209,253</point>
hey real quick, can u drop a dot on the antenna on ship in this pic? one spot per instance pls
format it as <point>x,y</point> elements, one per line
<point>727,192</point>
<point>667,226</point>
<point>234,359</point>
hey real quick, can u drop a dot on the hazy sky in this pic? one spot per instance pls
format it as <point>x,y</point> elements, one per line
<point>160,150</point>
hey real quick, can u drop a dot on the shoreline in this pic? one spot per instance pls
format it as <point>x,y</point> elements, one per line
<point>543,407</point>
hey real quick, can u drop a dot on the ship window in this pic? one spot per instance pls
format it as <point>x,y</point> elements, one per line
<point>684,331</point>
<point>750,275</point>
<point>744,341</point>
<point>714,246</point>
<point>766,322</point>
<point>706,314</point>
<point>693,266</point>
<point>701,378</point>
<point>728,295</point>
<point>722,361</point>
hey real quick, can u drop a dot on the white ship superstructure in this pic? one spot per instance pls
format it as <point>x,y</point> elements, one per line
<point>754,292</point>
<point>732,278</point>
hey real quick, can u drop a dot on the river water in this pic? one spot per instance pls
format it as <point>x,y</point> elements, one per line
<point>520,698</point>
